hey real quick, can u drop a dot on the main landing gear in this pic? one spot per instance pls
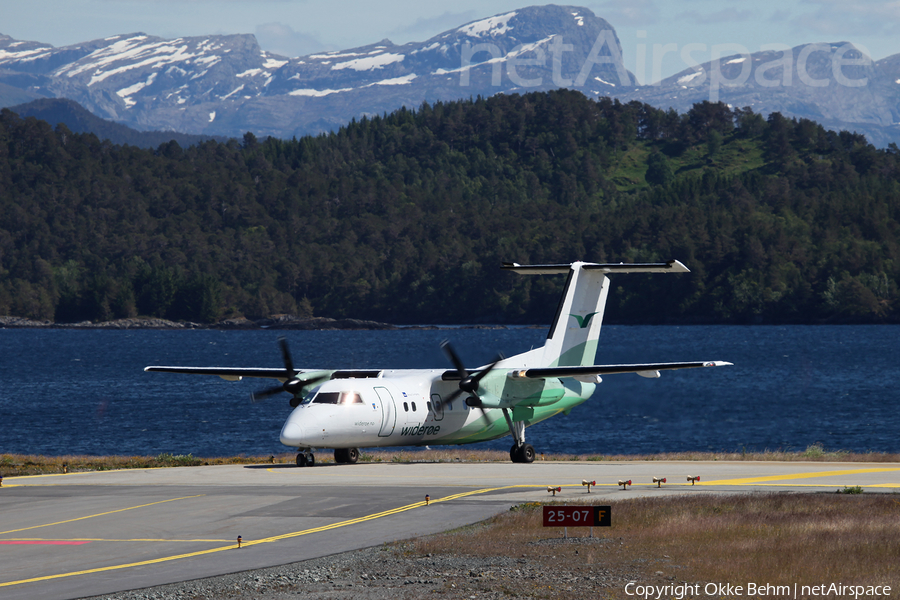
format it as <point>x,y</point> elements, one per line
<point>346,455</point>
<point>521,453</point>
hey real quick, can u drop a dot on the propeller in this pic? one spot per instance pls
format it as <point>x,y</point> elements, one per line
<point>293,384</point>
<point>468,382</point>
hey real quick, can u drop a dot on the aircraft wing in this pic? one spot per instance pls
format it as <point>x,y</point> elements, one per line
<point>229,373</point>
<point>238,373</point>
<point>585,373</point>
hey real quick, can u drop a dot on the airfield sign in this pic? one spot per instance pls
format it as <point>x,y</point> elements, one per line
<point>577,516</point>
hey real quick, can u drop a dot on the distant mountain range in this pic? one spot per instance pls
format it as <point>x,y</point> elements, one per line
<point>227,85</point>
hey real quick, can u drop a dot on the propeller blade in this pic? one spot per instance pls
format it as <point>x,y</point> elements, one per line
<point>468,384</point>
<point>478,376</point>
<point>286,356</point>
<point>448,350</point>
<point>266,393</point>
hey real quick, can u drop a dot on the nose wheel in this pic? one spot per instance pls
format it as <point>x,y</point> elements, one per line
<point>306,459</point>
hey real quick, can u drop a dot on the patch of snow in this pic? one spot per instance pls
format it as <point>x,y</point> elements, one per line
<point>318,93</point>
<point>524,49</point>
<point>125,93</point>
<point>604,82</point>
<point>898,81</point>
<point>488,27</point>
<point>579,20</point>
<point>208,60</point>
<point>131,54</point>
<point>369,63</point>
<point>24,54</point>
<point>227,96</point>
<point>212,116</point>
<point>271,63</point>
<point>691,77</point>
<point>735,61</point>
<point>334,55</point>
<point>250,73</point>
<point>396,80</point>
<point>200,74</point>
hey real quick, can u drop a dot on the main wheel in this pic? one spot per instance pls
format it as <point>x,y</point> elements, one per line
<point>301,460</point>
<point>352,456</point>
<point>522,454</point>
<point>526,453</point>
<point>311,459</point>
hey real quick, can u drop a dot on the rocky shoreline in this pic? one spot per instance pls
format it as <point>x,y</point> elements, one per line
<point>287,322</point>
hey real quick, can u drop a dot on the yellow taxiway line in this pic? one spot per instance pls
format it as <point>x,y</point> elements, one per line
<point>248,542</point>
<point>769,478</point>
<point>99,514</point>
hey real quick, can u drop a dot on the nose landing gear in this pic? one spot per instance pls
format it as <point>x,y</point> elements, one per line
<point>306,459</point>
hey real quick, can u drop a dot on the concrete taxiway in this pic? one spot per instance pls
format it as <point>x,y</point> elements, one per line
<point>86,534</point>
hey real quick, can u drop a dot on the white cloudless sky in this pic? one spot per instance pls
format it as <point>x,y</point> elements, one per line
<point>653,33</point>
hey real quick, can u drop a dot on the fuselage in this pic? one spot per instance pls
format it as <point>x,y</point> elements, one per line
<point>407,408</point>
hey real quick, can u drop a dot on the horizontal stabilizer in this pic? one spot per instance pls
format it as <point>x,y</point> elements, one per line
<point>554,372</point>
<point>672,266</point>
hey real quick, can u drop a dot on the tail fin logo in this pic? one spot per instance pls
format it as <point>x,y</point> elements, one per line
<point>584,321</point>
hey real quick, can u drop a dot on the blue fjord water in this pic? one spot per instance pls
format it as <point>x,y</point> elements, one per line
<point>69,391</point>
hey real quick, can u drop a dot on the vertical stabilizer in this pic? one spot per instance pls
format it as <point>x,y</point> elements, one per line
<point>575,330</point>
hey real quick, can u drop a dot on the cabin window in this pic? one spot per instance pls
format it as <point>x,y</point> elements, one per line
<point>405,407</point>
<point>428,404</point>
<point>414,406</point>
<point>337,398</point>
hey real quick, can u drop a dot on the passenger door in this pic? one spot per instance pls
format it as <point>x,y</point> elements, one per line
<point>388,412</point>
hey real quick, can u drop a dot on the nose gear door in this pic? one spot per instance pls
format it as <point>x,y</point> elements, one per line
<point>388,412</point>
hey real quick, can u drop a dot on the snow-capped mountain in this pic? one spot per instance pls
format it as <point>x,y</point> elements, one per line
<point>226,85</point>
<point>834,84</point>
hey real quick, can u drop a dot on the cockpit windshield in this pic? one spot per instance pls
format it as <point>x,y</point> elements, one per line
<point>337,398</point>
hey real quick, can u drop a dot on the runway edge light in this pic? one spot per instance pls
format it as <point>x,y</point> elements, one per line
<point>694,479</point>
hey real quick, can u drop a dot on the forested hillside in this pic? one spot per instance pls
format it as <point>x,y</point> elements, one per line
<point>406,218</point>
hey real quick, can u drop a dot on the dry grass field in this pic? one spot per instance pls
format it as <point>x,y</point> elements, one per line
<point>778,539</point>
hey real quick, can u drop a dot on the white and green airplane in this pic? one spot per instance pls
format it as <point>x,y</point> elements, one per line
<point>347,410</point>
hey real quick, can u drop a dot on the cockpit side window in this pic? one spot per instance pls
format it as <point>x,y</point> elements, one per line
<point>350,398</point>
<point>337,398</point>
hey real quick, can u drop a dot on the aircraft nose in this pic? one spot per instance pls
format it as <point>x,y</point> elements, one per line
<point>292,434</point>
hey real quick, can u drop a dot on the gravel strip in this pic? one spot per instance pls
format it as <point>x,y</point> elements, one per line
<point>396,572</point>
